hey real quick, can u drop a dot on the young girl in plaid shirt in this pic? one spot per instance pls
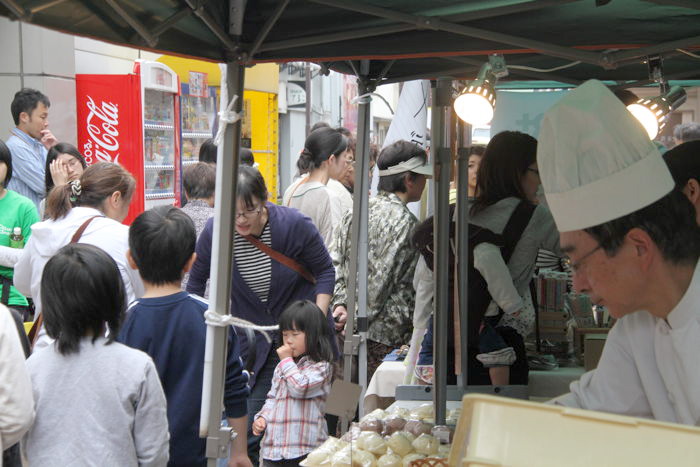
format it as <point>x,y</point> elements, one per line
<point>293,415</point>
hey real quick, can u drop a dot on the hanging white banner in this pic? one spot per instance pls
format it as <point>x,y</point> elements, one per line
<point>410,119</point>
<point>409,123</point>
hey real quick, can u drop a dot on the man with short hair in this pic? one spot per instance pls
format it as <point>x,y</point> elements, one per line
<point>634,246</point>
<point>30,141</point>
<point>392,257</point>
<point>684,163</point>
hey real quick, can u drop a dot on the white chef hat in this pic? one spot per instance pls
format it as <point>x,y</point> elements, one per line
<point>596,161</point>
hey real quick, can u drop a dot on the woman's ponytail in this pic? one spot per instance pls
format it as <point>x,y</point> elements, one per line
<point>58,203</point>
<point>305,163</point>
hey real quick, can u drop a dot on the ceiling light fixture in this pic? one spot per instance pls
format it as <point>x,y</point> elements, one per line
<point>476,103</point>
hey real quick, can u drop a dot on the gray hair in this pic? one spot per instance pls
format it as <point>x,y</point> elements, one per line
<point>687,132</point>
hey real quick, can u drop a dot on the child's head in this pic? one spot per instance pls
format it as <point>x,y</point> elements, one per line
<point>161,244</point>
<point>81,291</point>
<point>305,328</point>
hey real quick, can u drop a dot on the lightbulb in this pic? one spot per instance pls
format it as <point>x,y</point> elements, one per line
<point>474,109</point>
<point>646,117</point>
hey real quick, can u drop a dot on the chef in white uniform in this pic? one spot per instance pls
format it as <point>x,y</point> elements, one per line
<point>634,246</point>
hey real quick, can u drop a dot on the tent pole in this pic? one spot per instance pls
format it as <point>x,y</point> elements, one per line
<point>438,24</point>
<point>616,58</point>
<point>357,297</point>
<point>464,142</point>
<point>139,27</point>
<point>218,438</point>
<point>267,27</point>
<point>404,27</point>
<point>440,147</point>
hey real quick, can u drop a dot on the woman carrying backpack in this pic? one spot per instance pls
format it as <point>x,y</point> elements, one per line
<point>507,229</point>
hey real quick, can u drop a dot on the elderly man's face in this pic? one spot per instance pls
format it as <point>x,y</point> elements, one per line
<point>614,282</point>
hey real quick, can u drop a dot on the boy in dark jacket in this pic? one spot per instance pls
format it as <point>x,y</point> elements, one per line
<point>168,324</point>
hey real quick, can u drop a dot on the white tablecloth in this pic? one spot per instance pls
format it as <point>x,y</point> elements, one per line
<point>385,379</point>
<point>382,387</point>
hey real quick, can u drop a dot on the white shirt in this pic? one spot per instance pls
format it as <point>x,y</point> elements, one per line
<point>16,402</point>
<point>50,235</point>
<point>650,367</point>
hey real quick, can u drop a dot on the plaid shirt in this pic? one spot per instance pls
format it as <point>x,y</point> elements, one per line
<point>294,409</point>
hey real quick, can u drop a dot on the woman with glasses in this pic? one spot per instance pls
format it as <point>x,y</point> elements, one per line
<point>324,158</point>
<point>64,163</point>
<point>279,258</point>
<point>507,181</point>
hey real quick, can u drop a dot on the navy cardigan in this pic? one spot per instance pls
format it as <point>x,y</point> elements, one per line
<point>294,235</point>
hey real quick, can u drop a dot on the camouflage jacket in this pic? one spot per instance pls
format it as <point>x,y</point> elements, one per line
<point>391,263</point>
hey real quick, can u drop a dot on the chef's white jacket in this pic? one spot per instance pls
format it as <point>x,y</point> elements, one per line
<point>650,367</point>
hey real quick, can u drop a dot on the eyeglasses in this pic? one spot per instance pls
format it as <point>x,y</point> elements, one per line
<point>72,162</point>
<point>575,265</point>
<point>249,213</point>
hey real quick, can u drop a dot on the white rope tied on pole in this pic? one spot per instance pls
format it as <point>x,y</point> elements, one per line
<point>213,318</point>
<point>226,117</point>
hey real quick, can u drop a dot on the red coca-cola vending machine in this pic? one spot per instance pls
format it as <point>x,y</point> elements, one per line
<point>133,120</point>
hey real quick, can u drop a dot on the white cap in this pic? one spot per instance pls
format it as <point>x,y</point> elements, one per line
<point>595,160</point>
<point>414,164</point>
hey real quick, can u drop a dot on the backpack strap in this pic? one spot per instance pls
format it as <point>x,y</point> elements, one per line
<point>515,227</point>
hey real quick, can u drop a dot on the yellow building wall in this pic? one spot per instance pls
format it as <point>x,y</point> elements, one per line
<point>260,121</point>
<point>260,127</point>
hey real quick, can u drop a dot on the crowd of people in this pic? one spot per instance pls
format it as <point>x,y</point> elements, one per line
<point>115,355</point>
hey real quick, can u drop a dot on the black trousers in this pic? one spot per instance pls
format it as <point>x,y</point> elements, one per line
<point>256,400</point>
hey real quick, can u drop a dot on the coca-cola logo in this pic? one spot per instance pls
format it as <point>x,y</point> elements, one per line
<point>102,143</point>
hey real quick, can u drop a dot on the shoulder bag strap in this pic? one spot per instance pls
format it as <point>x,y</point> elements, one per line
<point>34,331</point>
<point>79,233</point>
<point>280,258</point>
<point>516,226</point>
<point>291,195</point>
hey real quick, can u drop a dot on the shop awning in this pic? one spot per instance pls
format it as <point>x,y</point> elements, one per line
<point>401,39</point>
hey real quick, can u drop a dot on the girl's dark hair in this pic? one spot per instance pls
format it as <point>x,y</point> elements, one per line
<point>246,157</point>
<point>251,186</point>
<point>477,150</point>
<point>207,152</point>
<point>305,316</point>
<point>395,153</point>
<point>319,146</point>
<point>98,182</point>
<point>81,291</point>
<point>506,159</point>
<point>6,157</point>
<point>54,152</point>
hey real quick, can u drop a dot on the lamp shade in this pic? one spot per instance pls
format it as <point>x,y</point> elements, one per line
<point>475,106</point>
<point>653,113</point>
<point>646,117</point>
